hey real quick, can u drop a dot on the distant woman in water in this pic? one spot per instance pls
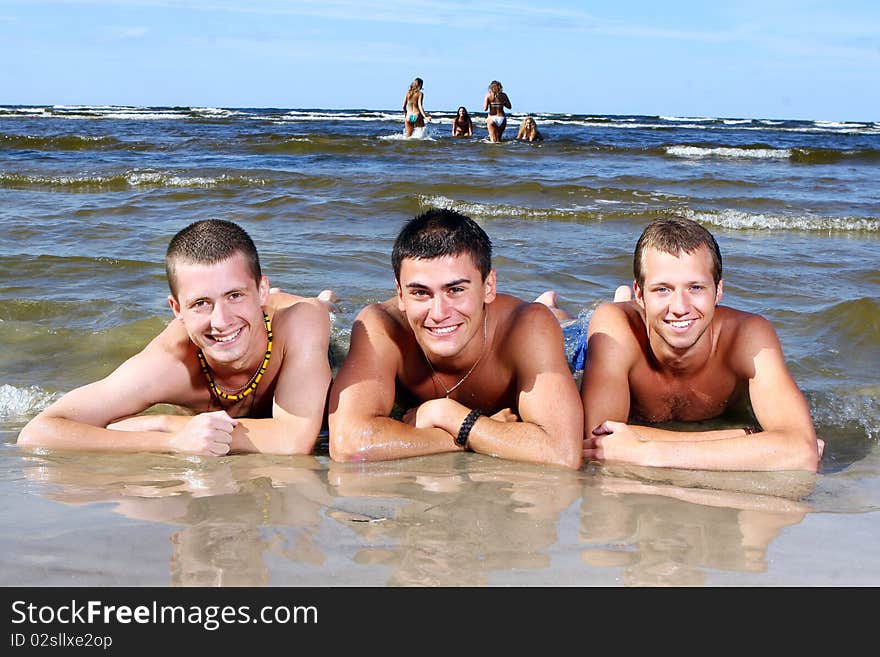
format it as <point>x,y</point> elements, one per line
<point>413,112</point>
<point>494,103</point>
<point>528,130</point>
<point>462,126</point>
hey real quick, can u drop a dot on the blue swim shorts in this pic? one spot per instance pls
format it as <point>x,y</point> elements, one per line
<point>574,335</point>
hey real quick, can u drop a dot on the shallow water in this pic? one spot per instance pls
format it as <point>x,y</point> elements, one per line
<point>89,198</point>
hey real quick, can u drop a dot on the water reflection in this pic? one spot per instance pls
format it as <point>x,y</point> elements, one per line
<point>459,518</point>
<point>669,527</point>
<point>446,520</point>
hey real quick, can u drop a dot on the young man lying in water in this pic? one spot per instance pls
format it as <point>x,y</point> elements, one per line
<point>476,369</point>
<point>674,354</point>
<point>256,379</point>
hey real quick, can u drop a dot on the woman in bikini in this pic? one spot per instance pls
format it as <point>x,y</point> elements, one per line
<point>413,113</point>
<point>495,102</point>
<point>462,126</point>
<point>528,130</point>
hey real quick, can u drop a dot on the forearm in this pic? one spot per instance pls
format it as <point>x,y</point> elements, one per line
<point>520,441</point>
<point>524,441</point>
<point>62,433</point>
<point>765,451</point>
<point>382,438</point>
<point>275,435</point>
<point>653,433</point>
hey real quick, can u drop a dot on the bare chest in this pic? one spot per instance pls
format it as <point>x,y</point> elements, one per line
<point>488,388</point>
<point>659,397</point>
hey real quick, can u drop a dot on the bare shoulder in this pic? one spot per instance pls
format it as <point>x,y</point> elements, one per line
<point>522,325</point>
<point>742,328</point>
<point>172,343</point>
<point>383,316</point>
<point>623,319</point>
<point>301,316</point>
<point>745,335</point>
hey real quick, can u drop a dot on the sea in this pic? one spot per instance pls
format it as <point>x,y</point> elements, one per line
<point>91,195</point>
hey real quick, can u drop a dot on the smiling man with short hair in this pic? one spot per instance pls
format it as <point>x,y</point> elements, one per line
<point>675,354</point>
<point>254,378</point>
<point>471,368</point>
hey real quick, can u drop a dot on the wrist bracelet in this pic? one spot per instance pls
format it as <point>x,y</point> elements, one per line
<point>462,438</point>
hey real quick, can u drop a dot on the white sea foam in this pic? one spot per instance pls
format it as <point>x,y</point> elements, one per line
<point>156,178</point>
<point>419,134</point>
<point>839,124</point>
<point>19,403</point>
<point>736,121</point>
<point>299,115</point>
<point>685,118</point>
<point>478,210</point>
<point>751,153</point>
<point>736,220</point>
<point>217,111</point>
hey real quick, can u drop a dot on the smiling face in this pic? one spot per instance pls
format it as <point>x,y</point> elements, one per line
<point>678,297</point>
<point>221,306</point>
<point>444,300</point>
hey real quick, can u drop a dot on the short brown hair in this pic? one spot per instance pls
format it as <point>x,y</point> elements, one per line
<point>675,235</point>
<point>208,242</point>
<point>440,232</point>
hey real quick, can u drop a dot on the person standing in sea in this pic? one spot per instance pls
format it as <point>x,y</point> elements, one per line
<point>494,103</point>
<point>414,115</point>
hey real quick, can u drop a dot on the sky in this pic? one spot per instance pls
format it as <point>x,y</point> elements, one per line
<point>798,59</point>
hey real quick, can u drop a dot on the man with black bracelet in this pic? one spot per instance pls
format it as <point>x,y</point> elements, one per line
<point>469,368</point>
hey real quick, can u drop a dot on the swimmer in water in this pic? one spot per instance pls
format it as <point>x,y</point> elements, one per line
<point>414,115</point>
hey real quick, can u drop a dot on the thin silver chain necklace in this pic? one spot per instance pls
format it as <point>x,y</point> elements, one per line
<point>437,379</point>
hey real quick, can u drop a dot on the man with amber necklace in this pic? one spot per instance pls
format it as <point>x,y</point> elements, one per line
<point>252,378</point>
<point>449,365</point>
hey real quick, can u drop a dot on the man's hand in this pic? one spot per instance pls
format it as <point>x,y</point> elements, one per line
<point>426,415</point>
<point>505,415</point>
<point>206,433</point>
<point>614,441</point>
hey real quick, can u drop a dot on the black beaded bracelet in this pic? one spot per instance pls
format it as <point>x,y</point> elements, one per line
<point>466,426</point>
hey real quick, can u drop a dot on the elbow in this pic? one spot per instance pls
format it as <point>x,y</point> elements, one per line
<point>810,456</point>
<point>31,436</point>
<point>344,447</point>
<point>570,454</point>
<point>572,459</point>
<point>804,454</point>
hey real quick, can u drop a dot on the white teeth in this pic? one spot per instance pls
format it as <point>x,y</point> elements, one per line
<point>228,338</point>
<point>682,324</point>
<point>442,330</point>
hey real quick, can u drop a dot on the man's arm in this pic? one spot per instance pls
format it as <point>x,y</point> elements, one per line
<point>363,394</point>
<point>79,419</point>
<point>611,353</point>
<point>550,430</point>
<point>300,387</point>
